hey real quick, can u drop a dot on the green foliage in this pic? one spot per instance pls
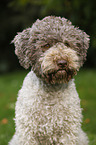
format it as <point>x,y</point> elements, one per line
<point>11,83</point>
<point>9,86</point>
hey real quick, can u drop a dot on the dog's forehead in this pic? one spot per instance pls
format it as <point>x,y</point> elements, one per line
<point>61,28</point>
<point>51,23</point>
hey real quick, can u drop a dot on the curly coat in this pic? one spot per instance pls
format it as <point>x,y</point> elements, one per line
<point>48,107</point>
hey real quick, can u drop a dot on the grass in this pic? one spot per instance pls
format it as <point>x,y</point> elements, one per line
<point>86,86</point>
<point>11,83</point>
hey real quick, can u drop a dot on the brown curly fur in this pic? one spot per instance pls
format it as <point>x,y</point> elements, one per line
<point>32,43</point>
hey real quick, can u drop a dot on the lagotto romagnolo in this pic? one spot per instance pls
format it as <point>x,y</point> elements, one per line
<point>48,107</point>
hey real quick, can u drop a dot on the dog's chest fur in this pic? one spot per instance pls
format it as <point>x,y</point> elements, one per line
<point>48,110</point>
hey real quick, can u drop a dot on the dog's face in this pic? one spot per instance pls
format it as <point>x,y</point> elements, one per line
<point>53,47</point>
<point>59,63</point>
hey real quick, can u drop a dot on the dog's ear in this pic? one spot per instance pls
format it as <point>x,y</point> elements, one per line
<point>83,46</point>
<point>85,40</point>
<point>22,48</point>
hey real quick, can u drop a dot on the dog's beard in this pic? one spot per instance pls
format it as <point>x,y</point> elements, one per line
<point>59,76</point>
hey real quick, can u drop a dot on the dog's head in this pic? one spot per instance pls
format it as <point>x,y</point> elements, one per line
<point>53,47</point>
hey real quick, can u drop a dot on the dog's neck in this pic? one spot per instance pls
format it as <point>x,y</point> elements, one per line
<point>48,93</point>
<point>53,87</point>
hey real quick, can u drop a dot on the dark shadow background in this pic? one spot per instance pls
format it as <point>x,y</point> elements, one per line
<point>16,15</point>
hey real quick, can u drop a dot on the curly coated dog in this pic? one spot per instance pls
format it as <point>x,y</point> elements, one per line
<point>48,107</point>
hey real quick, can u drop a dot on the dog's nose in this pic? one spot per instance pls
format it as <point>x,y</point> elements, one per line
<point>62,63</point>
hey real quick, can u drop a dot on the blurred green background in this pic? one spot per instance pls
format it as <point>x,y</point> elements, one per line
<point>16,15</point>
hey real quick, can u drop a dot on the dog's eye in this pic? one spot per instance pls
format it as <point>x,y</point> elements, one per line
<point>46,46</point>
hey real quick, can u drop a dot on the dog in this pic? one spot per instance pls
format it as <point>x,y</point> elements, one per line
<point>48,108</point>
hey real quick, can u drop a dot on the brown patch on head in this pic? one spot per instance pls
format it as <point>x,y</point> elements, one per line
<point>45,33</point>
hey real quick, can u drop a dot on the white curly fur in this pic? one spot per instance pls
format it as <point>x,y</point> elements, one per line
<point>48,112</point>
